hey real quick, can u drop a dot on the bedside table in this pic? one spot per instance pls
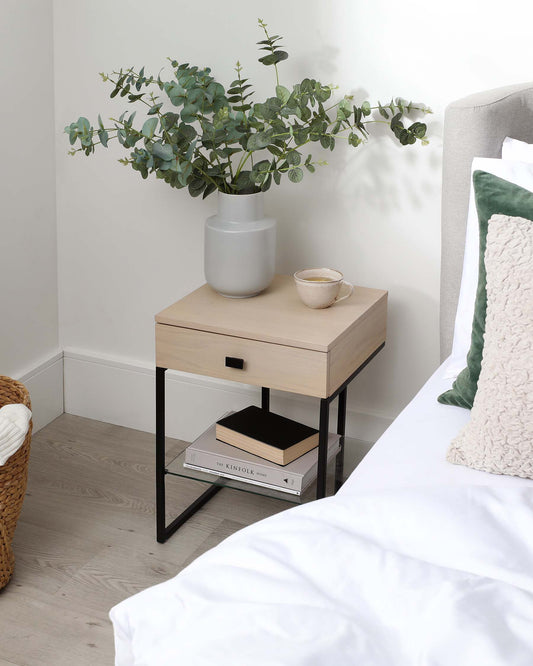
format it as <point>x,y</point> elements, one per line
<point>274,341</point>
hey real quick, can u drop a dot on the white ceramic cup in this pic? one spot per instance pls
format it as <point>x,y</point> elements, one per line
<point>320,287</point>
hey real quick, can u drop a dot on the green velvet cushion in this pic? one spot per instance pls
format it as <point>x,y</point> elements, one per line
<point>493,196</point>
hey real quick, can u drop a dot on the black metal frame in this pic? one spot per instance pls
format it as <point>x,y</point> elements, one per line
<point>165,531</point>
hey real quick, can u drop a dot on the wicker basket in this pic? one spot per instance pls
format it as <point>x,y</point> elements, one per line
<point>13,478</point>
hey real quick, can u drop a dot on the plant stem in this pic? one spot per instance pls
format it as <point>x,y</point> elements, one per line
<point>207,176</point>
<point>263,25</point>
<point>243,161</point>
<point>229,163</point>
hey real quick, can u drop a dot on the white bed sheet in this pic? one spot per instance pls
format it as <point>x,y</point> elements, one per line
<point>411,577</point>
<point>414,562</point>
<point>412,452</point>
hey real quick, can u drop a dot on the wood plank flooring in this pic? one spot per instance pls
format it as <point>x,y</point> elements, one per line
<point>86,539</point>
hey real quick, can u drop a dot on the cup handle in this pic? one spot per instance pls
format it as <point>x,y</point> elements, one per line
<point>350,291</point>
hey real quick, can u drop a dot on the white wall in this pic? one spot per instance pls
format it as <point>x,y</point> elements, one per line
<point>128,248</point>
<point>28,257</point>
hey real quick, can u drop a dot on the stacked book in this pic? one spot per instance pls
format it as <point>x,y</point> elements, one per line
<point>262,448</point>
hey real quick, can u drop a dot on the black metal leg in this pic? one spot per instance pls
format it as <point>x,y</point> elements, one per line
<point>341,429</point>
<point>160,452</point>
<point>189,511</point>
<point>265,398</point>
<point>164,532</point>
<point>322,449</point>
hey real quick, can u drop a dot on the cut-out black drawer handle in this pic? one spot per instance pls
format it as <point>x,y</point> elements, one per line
<point>232,362</point>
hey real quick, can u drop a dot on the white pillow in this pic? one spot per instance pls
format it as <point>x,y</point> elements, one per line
<point>499,436</point>
<point>519,173</point>
<point>520,151</point>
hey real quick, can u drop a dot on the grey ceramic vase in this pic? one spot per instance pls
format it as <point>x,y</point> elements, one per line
<point>239,246</point>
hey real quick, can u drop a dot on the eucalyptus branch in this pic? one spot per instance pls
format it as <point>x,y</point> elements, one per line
<point>199,152</point>
<point>123,89</point>
<point>269,41</point>
<point>206,176</point>
<point>206,138</point>
<point>230,166</point>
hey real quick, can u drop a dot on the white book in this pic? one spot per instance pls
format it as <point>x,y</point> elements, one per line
<point>210,455</point>
<point>234,477</point>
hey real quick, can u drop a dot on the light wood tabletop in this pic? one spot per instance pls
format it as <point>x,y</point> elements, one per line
<point>277,315</point>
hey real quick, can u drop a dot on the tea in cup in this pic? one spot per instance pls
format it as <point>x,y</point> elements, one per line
<point>320,287</point>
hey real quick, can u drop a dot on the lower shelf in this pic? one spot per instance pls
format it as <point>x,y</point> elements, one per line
<point>176,468</point>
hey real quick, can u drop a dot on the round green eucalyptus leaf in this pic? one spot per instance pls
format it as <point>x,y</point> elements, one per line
<point>149,127</point>
<point>293,157</point>
<point>296,175</point>
<point>259,140</point>
<point>163,151</point>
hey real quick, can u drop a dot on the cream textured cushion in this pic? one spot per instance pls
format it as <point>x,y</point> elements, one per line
<point>499,436</point>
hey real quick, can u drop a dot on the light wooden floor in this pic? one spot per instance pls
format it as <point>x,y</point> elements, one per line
<point>85,540</point>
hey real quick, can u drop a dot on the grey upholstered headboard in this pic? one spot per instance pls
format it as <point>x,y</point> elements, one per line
<point>473,127</point>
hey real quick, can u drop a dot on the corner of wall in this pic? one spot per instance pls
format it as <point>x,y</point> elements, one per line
<point>45,384</point>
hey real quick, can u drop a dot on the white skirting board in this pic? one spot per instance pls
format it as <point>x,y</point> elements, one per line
<point>123,392</point>
<point>45,384</point>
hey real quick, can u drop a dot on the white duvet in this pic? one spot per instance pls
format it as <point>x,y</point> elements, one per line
<point>414,577</point>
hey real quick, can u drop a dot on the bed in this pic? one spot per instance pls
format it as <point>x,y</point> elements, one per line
<point>415,561</point>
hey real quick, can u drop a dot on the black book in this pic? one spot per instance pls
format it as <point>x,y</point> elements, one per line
<point>267,435</point>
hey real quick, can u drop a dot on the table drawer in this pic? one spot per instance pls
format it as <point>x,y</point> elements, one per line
<point>263,364</point>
